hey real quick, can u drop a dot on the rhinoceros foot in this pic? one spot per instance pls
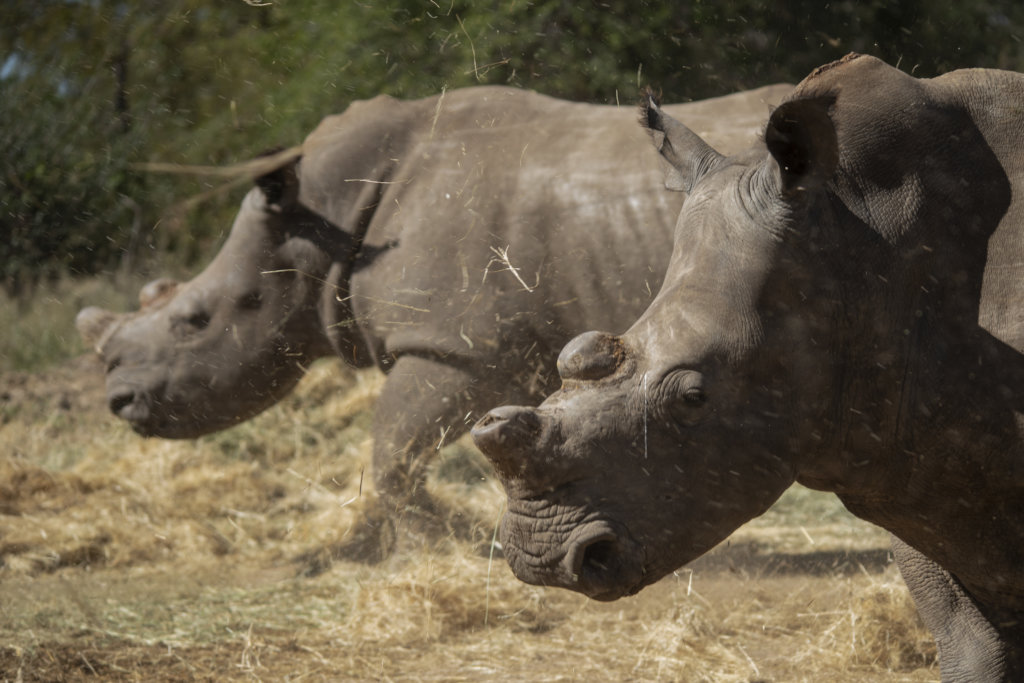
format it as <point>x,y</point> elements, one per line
<point>383,531</point>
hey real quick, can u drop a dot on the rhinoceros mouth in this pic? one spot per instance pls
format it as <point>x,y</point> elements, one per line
<point>598,558</point>
<point>144,422</point>
<point>152,416</point>
<point>173,427</point>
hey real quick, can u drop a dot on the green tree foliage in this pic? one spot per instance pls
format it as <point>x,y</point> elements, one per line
<point>86,87</point>
<point>89,87</point>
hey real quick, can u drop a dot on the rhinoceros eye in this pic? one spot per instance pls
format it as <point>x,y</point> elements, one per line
<point>191,323</point>
<point>695,396</point>
<point>250,300</point>
<point>684,391</point>
<point>199,320</point>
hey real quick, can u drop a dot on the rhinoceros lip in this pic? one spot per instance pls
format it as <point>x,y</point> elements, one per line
<point>167,428</point>
<point>144,423</point>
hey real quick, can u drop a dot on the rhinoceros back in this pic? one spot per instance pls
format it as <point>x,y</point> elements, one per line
<point>498,216</point>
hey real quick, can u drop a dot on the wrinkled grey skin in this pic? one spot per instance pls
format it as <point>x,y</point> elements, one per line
<point>385,245</point>
<point>844,308</point>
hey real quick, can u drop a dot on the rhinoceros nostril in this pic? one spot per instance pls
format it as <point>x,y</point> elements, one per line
<point>120,401</point>
<point>598,556</point>
<point>597,565</point>
<point>592,355</point>
<point>132,406</point>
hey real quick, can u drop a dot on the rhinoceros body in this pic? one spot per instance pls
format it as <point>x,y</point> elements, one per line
<point>456,241</point>
<point>844,307</point>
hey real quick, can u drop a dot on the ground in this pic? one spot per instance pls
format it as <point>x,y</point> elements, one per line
<point>124,558</point>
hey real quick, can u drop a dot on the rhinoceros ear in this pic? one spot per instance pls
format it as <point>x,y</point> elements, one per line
<point>280,187</point>
<point>689,157</point>
<point>802,139</point>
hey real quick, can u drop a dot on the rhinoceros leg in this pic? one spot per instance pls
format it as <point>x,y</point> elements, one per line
<point>974,645</point>
<point>424,402</point>
<point>422,399</point>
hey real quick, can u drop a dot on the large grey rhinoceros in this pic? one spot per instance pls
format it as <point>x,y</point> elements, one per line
<point>844,307</point>
<point>456,241</point>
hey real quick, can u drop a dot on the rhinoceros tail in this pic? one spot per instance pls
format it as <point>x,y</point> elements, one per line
<point>252,168</point>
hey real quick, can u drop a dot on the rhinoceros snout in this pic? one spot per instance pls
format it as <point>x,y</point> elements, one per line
<point>591,356</point>
<point>504,434</point>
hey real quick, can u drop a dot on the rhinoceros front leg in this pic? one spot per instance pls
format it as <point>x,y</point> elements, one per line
<point>973,644</point>
<point>424,403</point>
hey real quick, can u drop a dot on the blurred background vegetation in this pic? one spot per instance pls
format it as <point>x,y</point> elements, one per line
<point>90,87</point>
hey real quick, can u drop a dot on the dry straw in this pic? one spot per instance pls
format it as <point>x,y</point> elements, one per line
<point>179,560</point>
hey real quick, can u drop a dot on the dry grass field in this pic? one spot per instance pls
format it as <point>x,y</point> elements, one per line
<point>127,559</point>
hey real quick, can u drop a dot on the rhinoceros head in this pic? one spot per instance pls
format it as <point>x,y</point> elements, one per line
<point>206,354</point>
<point>663,440</point>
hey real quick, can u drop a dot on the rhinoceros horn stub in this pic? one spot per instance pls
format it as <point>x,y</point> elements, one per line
<point>155,290</point>
<point>93,324</point>
<point>505,435</point>
<point>591,356</point>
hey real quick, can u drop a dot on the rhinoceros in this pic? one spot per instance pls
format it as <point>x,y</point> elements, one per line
<point>457,242</point>
<point>843,308</point>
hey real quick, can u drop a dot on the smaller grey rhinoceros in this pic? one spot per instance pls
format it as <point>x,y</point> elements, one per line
<point>844,308</point>
<point>457,242</point>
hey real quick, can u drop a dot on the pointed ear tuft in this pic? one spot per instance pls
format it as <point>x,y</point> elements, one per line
<point>650,102</point>
<point>689,158</point>
<point>802,139</point>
